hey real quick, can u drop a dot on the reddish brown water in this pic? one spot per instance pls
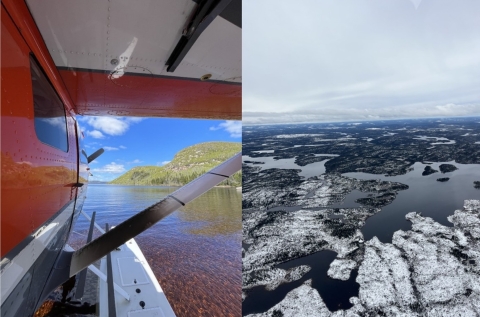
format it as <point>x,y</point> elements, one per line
<point>195,253</point>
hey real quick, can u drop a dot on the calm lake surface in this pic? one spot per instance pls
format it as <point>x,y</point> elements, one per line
<point>433,199</point>
<point>307,171</point>
<point>335,293</point>
<point>195,252</point>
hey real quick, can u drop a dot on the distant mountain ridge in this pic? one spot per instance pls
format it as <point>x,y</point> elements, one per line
<point>187,165</point>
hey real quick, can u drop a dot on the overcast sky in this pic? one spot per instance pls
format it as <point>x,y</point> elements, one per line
<point>339,60</point>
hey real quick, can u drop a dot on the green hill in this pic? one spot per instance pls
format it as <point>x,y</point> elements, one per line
<point>187,165</point>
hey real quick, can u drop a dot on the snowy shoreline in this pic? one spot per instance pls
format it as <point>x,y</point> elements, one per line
<point>430,270</point>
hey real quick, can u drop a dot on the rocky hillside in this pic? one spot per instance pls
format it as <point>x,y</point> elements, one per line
<point>187,165</point>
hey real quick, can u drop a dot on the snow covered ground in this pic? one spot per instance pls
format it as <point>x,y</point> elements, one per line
<point>340,269</point>
<point>430,270</point>
<point>274,237</point>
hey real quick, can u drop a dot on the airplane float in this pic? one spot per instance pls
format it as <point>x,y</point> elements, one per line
<point>61,59</point>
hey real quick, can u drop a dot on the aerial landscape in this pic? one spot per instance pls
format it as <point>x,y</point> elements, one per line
<point>361,158</point>
<point>375,218</point>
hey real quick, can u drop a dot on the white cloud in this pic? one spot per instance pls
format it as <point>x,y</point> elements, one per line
<point>109,125</point>
<point>100,178</point>
<point>163,163</point>
<point>93,145</point>
<point>134,119</point>
<point>375,56</point>
<point>80,127</point>
<point>351,113</point>
<point>232,127</point>
<point>112,168</point>
<point>112,148</point>
<point>58,122</point>
<point>95,134</point>
<point>113,126</point>
<point>136,161</point>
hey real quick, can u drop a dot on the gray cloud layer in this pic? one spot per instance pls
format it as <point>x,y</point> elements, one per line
<point>325,60</point>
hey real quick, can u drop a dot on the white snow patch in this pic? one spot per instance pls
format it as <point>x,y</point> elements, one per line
<point>330,140</point>
<point>292,136</point>
<point>340,269</point>
<point>384,277</point>
<point>300,302</point>
<point>264,151</point>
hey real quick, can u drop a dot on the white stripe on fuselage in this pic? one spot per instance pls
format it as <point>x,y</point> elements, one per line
<point>14,271</point>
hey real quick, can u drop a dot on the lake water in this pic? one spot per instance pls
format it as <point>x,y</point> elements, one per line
<point>307,171</point>
<point>335,293</point>
<point>433,199</point>
<point>195,252</point>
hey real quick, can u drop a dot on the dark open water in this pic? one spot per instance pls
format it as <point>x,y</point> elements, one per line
<point>335,293</point>
<point>195,252</point>
<point>433,199</point>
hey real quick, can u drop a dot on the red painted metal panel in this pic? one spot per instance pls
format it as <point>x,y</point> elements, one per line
<point>22,18</point>
<point>36,178</point>
<point>94,93</point>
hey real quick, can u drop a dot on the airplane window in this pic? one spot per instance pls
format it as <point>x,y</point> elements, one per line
<point>50,122</point>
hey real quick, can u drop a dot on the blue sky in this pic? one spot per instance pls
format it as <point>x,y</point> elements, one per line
<point>130,141</point>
